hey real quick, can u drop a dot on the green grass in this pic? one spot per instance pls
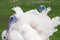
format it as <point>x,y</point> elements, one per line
<point>6,12</point>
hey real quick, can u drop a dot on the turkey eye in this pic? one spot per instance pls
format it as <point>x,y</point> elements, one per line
<point>42,7</point>
<point>11,18</point>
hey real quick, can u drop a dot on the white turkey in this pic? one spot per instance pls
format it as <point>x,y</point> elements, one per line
<point>40,22</point>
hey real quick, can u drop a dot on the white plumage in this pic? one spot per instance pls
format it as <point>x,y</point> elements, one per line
<point>34,25</point>
<point>15,35</point>
<point>29,33</point>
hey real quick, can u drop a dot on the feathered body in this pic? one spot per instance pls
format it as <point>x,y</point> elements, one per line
<point>34,25</point>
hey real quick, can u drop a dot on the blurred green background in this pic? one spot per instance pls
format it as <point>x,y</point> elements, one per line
<point>6,12</point>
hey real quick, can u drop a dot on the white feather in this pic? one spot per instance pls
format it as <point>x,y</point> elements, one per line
<point>56,21</point>
<point>18,10</point>
<point>15,35</point>
<point>29,33</point>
